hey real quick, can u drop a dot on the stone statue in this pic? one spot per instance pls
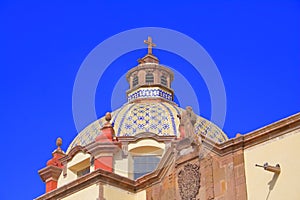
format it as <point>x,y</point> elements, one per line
<point>187,120</point>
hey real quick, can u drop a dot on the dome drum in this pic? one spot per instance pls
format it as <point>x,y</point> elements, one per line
<point>138,75</point>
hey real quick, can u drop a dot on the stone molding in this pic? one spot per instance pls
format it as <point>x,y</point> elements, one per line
<point>50,173</point>
<point>147,66</point>
<point>253,138</point>
<point>97,149</point>
<point>72,153</point>
<point>146,135</point>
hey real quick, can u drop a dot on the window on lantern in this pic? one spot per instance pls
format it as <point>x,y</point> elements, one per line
<point>135,81</point>
<point>163,80</point>
<point>149,78</point>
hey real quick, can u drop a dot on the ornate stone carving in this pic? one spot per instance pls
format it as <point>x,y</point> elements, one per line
<point>189,181</point>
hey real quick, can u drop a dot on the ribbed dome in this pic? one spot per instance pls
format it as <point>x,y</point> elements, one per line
<point>155,117</point>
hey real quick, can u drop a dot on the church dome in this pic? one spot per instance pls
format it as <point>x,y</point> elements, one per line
<point>159,118</point>
<point>150,107</point>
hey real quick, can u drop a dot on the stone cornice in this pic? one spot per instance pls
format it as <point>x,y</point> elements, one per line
<point>98,176</point>
<point>272,131</point>
<point>146,66</point>
<point>50,172</point>
<point>98,148</point>
<point>256,137</point>
<point>72,153</point>
<point>146,135</point>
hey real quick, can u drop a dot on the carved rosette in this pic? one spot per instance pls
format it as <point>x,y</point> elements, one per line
<point>189,181</point>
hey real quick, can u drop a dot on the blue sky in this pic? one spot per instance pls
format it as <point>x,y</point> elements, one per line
<point>256,47</point>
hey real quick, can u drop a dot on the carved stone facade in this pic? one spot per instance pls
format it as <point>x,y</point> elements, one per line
<point>189,181</point>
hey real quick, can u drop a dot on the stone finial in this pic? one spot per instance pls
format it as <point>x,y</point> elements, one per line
<point>58,142</point>
<point>57,154</point>
<point>108,133</point>
<point>238,135</point>
<point>107,118</point>
<point>58,150</point>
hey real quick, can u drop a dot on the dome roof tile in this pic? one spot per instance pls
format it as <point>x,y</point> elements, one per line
<point>159,118</point>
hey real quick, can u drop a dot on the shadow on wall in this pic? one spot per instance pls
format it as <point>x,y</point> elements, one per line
<point>272,183</point>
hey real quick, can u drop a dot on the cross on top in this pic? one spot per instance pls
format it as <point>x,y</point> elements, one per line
<point>150,44</point>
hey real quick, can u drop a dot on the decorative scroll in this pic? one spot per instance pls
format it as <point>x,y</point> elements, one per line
<point>189,181</point>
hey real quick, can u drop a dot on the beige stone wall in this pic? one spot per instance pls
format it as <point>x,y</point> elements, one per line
<point>113,193</point>
<point>89,193</point>
<point>121,167</point>
<point>266,185</point>
<point>80,160</point>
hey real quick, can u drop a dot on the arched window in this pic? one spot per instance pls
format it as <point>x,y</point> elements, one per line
<point>135,81</point>
<point>149,78</point>
<point>163,80</point>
